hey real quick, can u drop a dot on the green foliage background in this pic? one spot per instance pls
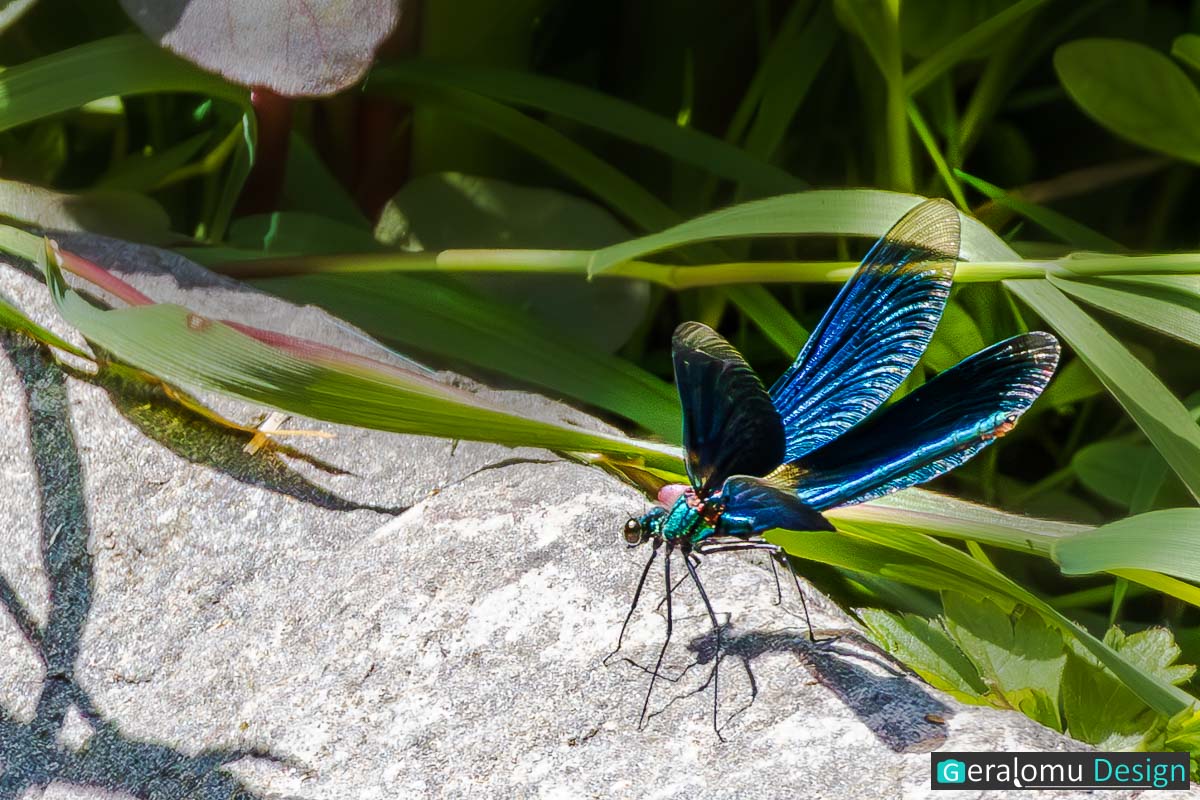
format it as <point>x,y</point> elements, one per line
<point>537,193</point>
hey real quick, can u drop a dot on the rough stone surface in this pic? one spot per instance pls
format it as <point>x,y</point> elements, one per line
<point>182,620</point>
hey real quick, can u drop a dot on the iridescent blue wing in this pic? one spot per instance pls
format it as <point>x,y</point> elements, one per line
<point>754,505</point>
<point>730,426</point>
<point>875,331</point>
<point>929,432</point>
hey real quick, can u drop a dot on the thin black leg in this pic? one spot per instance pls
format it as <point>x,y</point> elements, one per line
<point>774,550</point>
<point>666,641</point>
<point>712,615</point>
<point>694,559</point>
<point>775,575</point>
<point>795,579</point>
<point>637,593</point>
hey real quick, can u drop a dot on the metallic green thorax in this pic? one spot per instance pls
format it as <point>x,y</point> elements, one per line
<point>683,522</point>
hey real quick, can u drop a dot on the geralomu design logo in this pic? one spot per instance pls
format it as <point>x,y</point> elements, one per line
<point>1058,771</point>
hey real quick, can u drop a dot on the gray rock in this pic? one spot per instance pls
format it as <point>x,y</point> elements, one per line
<point>181,621</point>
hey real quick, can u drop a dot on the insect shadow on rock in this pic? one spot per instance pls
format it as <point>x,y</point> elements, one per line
<point>759,460</point>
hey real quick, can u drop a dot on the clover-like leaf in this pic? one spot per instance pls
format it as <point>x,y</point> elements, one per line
<point>1098,708</point>
<point>1016,653</point>
<point>926,649</point>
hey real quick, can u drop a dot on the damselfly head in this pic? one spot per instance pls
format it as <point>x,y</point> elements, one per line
<point>639,530</point>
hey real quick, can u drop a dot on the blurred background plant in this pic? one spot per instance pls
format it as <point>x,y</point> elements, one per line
<point>447,176</point>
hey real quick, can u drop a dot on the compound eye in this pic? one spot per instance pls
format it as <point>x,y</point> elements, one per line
<point>633,531</point>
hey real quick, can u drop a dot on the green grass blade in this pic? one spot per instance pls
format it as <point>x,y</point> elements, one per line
<point>179,346</point>
<point>1159,541</point>
<point>591,172</point>
<point>770,316</point>
<point>967,45</point>
<point>580,104</point>
<point>620,192</point>
<point>935,155</point>
<point>1063,227</point>
<point>922,561</point>
<point>836,212</point>
<point>921,511</point>
<point>142,173</point>
<point>12,319</point>
<point>438,316</point>
<point>120,65</point>
<point>1160,415</point>
<point>787,74</point>
<point>1141,304</point>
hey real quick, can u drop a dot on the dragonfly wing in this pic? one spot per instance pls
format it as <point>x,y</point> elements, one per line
<point>874,333</point>
<point>930,431</point>
<point>753,505</point>
<point>730,425</point>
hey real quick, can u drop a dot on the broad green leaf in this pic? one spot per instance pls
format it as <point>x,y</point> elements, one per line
<point>1134,91</point>
<point>1098,708</point>
<point>1072,383</point>
<point>311,48</point>
<point>284,233</point>
<point>957,337</point>
<point>1160,541</point>
<point>926,649</point>
<point>583,105</point>
<point>121,214</point>
<point>1111,468</point>
<point>1186,48</point>
<point>1016,652</point>
<point>1155,651</point>
<point>1183,289</point>
<point>178,346</point>
<point>1165,421</point>
<point>436,314</point>
<point>309,186</point>
<point>454,211</point>
<point>1169,312</point>
<point>1061,226</point>
<point>835,212</point>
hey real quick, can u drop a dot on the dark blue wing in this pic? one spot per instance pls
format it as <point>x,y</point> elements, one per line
<point>875,331</point>
<point>754,505</point>
<point>929,432</point>
<point>730,426</point>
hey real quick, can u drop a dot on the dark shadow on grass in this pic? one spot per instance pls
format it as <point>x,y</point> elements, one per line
<point>31,755</point>
<point>202,441</point>
<point>889,700</point>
